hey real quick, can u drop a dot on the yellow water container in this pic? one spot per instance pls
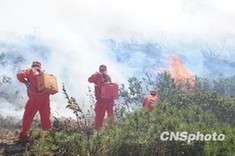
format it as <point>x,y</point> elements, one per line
<point>47,82</point>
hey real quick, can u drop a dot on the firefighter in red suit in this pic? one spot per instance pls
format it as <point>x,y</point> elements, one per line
<point>102,105</point>
<point>150,99</point>
<point>37,102</point>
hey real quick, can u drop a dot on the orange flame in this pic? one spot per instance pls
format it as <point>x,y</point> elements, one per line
<point>180,73</point>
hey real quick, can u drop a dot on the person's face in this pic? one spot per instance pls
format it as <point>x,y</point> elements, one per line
<point>103,71</point>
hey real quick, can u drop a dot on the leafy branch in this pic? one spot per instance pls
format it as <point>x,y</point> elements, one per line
<point>73,105</point>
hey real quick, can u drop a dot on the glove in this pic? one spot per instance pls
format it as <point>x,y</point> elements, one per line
<point>26,82</point>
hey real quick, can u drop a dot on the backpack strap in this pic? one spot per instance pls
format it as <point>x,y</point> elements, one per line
<point>35,86</point>
<point>104,78</point>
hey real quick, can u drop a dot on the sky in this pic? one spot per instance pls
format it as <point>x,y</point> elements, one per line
<point>72,38</point>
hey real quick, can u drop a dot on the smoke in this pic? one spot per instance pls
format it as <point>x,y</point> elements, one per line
<point>72,61</point>
<point>73,38</point>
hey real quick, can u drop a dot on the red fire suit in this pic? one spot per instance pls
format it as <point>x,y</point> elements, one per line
<point>149,100</point>
<point>37,102</point>
<point>102,105</point>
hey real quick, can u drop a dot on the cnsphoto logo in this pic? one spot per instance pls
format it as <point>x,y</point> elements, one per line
<point>189,137</point>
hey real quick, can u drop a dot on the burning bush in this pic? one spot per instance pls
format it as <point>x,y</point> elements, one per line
<point>180,74</point>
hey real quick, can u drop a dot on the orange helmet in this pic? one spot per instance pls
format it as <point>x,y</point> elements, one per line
<point>36,64</point>
<point>153,92</point>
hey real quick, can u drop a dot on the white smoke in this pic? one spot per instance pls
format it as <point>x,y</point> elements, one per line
<point>71,39</point>
<point>119,18</point>
<point>72,60</point>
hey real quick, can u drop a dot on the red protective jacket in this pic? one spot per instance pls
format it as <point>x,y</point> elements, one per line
<point>102,105</point>
<point>28,76</point>
<point>98,78</point>
<point>149,100</point>
<point>37,102</point>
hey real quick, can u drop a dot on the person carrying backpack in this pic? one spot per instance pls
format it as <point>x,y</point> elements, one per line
<point>102,105</point>
<point>37,102</point>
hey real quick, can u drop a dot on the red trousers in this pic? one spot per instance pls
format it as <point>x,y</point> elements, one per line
<point>36,103</point>
<point>102,106</point>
